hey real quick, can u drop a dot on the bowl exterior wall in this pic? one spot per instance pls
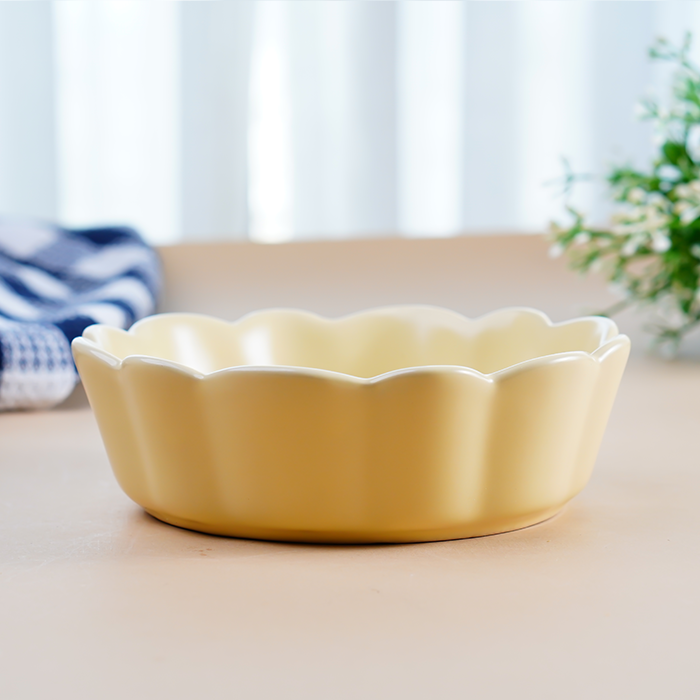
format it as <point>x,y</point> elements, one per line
<point>419,455</point>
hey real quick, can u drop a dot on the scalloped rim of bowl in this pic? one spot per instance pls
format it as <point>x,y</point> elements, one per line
<point>611,338</point>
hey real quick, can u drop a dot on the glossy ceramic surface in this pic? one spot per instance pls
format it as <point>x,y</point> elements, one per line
<point>393,425</point>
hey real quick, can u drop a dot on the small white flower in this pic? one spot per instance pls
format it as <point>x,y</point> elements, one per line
<point>683,191</point>
<point>660,242</point>
<point>689,215</point>
<point>582,238</point>
<point>657,200</point>
<point>693,142</point>
<point>687,205</point>
<point>695,250</point>
<point>556,250</point>
<point>636,195</point>
<point>669,172</point>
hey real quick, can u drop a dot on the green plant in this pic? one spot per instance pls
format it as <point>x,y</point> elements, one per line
<point>651,251</point>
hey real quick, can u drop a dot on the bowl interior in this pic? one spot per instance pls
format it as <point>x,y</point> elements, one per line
<point>363,345</point>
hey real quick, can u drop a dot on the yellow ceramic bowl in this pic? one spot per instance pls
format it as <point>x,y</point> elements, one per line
<point>400,424</point>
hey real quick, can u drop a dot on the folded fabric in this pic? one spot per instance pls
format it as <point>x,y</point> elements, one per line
<point>54,282</point>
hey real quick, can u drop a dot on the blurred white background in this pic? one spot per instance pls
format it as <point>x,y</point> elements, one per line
<point>288,120</point>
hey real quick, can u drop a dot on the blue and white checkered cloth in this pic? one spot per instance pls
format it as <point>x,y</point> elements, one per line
<point>54,282</point>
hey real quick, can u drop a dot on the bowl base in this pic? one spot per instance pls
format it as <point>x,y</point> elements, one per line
<point>456,532</point>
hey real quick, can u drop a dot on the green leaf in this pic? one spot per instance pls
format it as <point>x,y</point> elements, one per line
<point>676,154</point>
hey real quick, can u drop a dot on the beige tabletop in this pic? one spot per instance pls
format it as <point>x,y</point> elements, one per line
<point>100,601</point>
